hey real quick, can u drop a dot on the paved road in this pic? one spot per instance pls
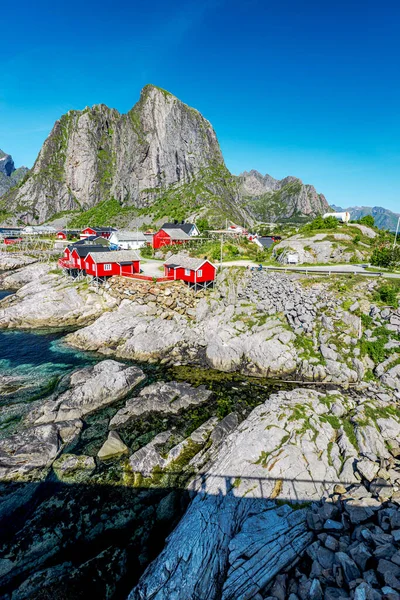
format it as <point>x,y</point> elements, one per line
<point>152,266</point>
<point>332,269</point>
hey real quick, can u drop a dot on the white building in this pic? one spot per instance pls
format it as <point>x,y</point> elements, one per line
<point>341,216</point>
<point>128,240</point>
<point>39,230</point>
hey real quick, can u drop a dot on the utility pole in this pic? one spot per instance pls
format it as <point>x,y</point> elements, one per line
<point>397,231</point>
<point>222,244</point>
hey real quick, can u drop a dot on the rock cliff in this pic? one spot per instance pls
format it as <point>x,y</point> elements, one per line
<point>288,199</point>
<point>98,153</point>
<point>9,175</point>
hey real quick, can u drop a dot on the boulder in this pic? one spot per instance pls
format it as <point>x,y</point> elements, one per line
<point>160,397</point>
<point>112,447</point>
<point>90,389</point>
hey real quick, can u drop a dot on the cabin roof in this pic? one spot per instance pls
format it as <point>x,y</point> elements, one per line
<point>185,262</point>
<point>177,234</point>
<point>100,229</point>
<point>186,227</point>
<point>85,249</point>
<point>117,256</point>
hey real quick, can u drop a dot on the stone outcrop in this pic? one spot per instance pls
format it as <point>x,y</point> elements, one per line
<point>164,300</point>
<point>89,390</point>
<point>8,262</point>
<point>160,397</point>
<point>321,248</point>
<point>46,300</point>
<point>299,446</point>
<point>272,200</point>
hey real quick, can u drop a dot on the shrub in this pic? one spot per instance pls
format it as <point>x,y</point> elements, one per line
<point>146,252</point>
<point>321,223</point>
<point>386,256</point>
<point>202,224</point>
<point>388,294</point>
<point>367,220</point>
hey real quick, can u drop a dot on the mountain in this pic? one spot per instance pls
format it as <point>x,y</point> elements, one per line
<point>288,199</point>
<point>384,218</point>
<point>161,159</point>
<point>9,175</point>
<point>160,150</point>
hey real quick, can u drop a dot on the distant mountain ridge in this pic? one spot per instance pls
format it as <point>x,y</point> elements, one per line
<point>9,175</point>
<point>384,218</point>
<point>287,199</point>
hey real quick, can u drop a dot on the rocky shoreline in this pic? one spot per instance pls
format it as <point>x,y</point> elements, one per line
<point>274,490</point>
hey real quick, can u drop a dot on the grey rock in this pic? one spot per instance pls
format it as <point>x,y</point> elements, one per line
<point>28,455</point>
<point>90,389</point>
<point>112,447</point>
<point>360,554</point>
<point>162,398</point>
<point>315,590</point>
<point>350,569</point>
<point>274,527</point>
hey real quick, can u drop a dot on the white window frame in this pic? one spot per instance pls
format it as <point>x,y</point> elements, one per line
<point>107,267</point>
<point>200,273</point>
<point>87,265</point>
<point>187,272</point>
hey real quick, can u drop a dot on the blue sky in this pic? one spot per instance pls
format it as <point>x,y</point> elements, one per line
<point>310,89</point>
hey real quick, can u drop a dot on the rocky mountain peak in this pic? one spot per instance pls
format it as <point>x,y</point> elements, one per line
<point>6,164</point>
<point>287,199</point>
<point>9,175</point>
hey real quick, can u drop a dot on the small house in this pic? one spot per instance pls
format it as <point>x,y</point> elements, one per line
<point>169,237</point>
<point>65,234</point>
<point>194,271</point>
<point>79,253</point>
<point>104,232</point>
<point>39,230</point>
<point>107,264</point>
<point>11,239</point>
<point>189,228</point>
<point>264,242</point>
<point>128,240</point>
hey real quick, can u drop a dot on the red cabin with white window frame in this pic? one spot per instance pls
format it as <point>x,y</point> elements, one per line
<point>169,237</point>
<point>191,270</point>
<point>107,264</point>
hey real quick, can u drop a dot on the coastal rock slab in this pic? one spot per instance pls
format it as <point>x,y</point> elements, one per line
<point>225,542</point>
<point>28,455</point>
<point>70,467</point>
<point>160,397</point>
<point>90,389</point>
<point>52,302</point>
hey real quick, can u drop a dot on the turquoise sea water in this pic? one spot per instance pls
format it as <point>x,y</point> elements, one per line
<point>31,366</point>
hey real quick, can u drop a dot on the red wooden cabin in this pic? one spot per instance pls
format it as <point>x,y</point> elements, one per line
<point>107,264</point>
<point>74,256</point>
<point>192,270</point>
<point>104,232</point>
<point>169,237</point>
<point>12,240</point>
